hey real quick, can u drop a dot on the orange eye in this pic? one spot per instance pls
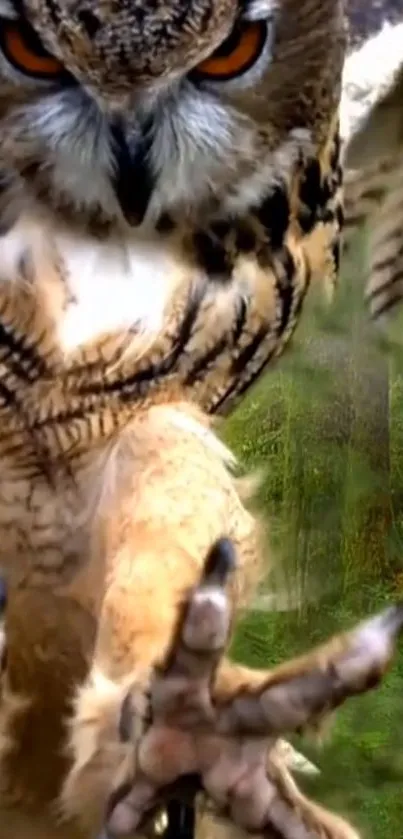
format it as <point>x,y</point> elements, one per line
<point>237,54</point>
<point>23,50</point>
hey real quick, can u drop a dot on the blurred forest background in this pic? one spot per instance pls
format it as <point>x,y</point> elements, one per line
<point>326,426</point>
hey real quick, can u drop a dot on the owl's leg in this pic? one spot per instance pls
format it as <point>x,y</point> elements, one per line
<point>227,741</point>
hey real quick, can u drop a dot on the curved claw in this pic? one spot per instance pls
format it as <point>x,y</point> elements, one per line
<point>294,761</point>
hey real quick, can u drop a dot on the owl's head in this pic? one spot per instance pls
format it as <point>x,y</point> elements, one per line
<point>125,110</point>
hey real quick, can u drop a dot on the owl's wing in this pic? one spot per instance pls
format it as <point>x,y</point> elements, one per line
<point>372,123</point>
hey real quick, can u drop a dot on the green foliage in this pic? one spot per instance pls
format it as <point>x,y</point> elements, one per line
<point>328,432</point>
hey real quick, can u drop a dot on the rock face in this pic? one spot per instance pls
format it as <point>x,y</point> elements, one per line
<point>368,16</point>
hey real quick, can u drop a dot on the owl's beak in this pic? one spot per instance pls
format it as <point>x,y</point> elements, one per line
<point>133,182</point>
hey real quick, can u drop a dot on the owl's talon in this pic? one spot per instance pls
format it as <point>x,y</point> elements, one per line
<point>232,746</point>
<point>220,562</point>
<point>201,638</point>
<point>297,695</point>
<point>207,619</point>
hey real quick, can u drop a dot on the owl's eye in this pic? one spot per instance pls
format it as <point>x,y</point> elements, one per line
<point>23,49</point>
<point>237,54</point>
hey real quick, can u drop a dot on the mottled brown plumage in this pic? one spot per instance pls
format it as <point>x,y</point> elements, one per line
<point>159,234</point>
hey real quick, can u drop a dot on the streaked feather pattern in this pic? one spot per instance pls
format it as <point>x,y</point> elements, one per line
<point>373,160</point>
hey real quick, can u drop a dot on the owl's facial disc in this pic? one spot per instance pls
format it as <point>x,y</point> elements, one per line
<point>135,108</point>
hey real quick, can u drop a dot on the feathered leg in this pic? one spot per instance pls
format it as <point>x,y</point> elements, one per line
<point>225,739</point>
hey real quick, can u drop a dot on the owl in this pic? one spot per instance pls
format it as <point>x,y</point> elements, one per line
<point>170,189</point>
<point>177,166</point>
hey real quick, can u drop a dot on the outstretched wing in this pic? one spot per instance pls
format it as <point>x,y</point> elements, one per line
<point>373,159</point>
